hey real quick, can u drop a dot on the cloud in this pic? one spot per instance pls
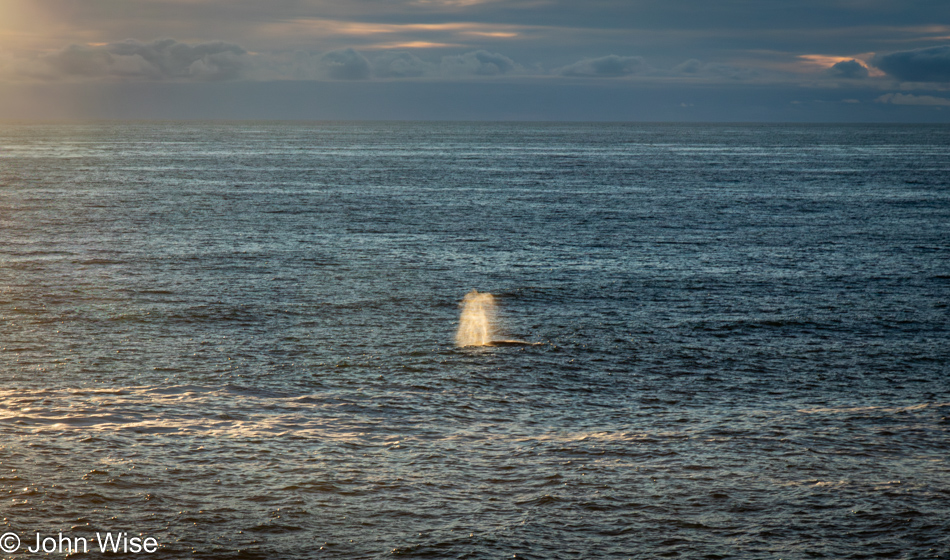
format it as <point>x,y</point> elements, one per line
<point>731,71</point>
<point>350,64</point>
<point>908,99</point>
<point>76,60</point>
<point>477,63</point>
<point>849,69</point>
<point>691,66</point>
<point>346,64</point>
<point>921,65</point>
<point>169,58</point>
<point>610,66</point>
<point>714,70</point>
<point>166,59</point>
<point>400,65</point>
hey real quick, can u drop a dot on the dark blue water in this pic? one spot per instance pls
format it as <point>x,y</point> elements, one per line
<point>238,339</point>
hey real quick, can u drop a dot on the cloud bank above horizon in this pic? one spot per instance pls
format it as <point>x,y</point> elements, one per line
<point>881,48</point>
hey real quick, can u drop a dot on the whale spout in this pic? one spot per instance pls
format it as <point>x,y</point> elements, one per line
<point>477,323</point>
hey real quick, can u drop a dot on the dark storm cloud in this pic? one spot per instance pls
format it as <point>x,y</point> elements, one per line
<point>610,66</point>
<point>920,65</point>
<point>850,69</point>
<point>346,64</point>
<point>166,59</point>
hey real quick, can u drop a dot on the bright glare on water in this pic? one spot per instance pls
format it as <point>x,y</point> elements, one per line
<point>246,340</point>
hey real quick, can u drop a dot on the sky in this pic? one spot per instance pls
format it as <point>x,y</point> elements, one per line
<point>599,60</point>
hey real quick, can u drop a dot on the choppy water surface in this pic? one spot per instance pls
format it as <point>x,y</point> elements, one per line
<point>239,339</point>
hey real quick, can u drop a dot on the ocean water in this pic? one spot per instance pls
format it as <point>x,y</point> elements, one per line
<point>238,339</point>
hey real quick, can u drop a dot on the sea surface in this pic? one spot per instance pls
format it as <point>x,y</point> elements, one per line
<point>238,339</point>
